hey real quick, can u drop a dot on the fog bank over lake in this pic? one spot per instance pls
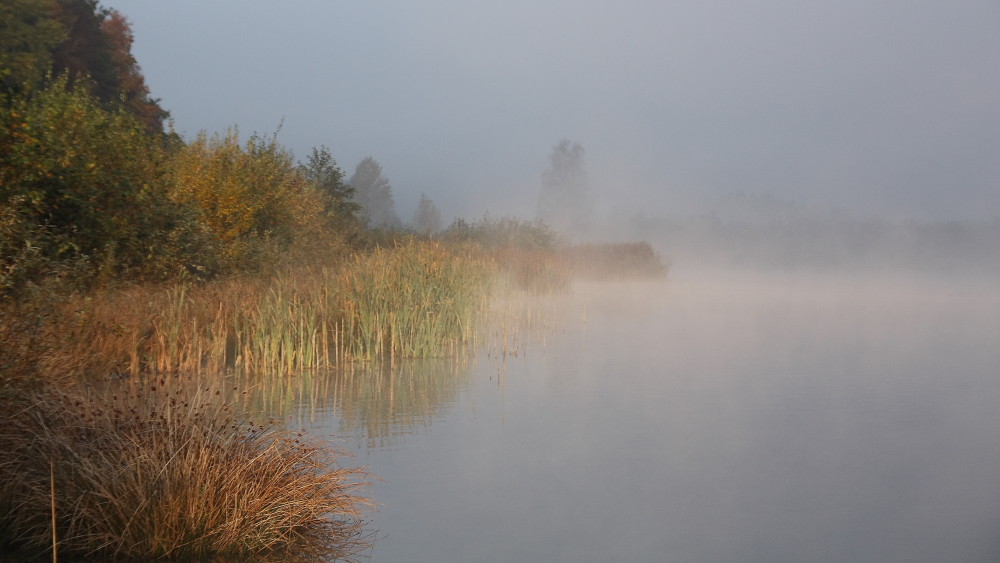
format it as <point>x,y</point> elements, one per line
<point>766,416</point>
<point>759,232</point>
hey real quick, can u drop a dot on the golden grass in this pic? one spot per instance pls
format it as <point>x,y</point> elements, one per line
<point>418,299</point>
<point>169,470</point>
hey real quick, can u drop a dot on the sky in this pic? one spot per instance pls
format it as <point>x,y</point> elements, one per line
<point>887,108</point>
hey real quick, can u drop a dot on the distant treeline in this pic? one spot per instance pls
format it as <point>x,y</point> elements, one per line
<point>943,247</point>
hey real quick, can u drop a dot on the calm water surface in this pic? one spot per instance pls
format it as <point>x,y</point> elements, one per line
<point>723,418</point>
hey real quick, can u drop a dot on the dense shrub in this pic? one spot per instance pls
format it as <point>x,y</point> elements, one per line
<point>81,194</point>
<point>611,261</point>
<point>251,197</point>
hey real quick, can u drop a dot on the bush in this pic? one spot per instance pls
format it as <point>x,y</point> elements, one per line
<point>615,261</point>
<point>81,192</point>
<point>251,197</point>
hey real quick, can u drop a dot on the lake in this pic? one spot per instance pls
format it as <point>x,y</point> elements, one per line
<point>709,417</point>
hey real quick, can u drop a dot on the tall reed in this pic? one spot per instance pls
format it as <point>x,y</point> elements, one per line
<point>417,300</point>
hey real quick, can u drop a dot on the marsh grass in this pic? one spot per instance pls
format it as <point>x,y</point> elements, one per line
<point>414,300</point>
<point>420,300</point>
<point>171,470</point>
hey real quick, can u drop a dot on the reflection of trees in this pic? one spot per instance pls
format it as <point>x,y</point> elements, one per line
<point>380,403</point>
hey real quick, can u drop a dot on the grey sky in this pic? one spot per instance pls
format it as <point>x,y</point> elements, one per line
<point>888,107</point>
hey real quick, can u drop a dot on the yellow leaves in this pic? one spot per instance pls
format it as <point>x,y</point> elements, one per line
<point>240,190</point>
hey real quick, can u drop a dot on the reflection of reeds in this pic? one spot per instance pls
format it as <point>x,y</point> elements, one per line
<point>379,402</point>
<point>169,470</point>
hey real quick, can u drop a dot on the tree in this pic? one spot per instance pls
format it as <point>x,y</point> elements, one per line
<point>86,52</point>
<point>30,35</point>
<point>564,201</point>
<point>374,194</point>
<point>427,220</point>
<point>321,171</point>
<point>80,189</point>
<point>131,83</point>
<point>77,38</point>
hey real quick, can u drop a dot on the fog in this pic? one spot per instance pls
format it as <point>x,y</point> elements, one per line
<point>874,109</point>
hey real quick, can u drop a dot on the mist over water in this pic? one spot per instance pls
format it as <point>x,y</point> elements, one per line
<point>719,415</point>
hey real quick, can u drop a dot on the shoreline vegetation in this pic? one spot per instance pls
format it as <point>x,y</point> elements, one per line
<point>138,269</point>
<point>158,352</point>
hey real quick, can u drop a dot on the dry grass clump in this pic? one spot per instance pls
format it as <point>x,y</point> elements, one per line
<point>168,470</point>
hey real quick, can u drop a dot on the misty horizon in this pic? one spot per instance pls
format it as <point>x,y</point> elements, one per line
<point>875,110</point>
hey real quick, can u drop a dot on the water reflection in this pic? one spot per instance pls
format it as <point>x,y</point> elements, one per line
<point>377,405</point>
<point>373,404</point>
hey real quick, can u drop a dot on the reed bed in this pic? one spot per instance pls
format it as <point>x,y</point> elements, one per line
<point>169,470</point>
<point>614,261</point>
<point>418,299</point>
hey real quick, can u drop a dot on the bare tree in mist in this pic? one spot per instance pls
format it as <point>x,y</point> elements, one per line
<point>565,201</point>
<point>374,194</point>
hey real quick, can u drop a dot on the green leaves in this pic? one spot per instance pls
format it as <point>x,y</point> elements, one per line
<point>82,183</point>
<point>30,35</point>
<point>327,178</point>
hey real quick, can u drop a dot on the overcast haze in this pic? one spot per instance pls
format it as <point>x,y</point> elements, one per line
<point>889,108</point>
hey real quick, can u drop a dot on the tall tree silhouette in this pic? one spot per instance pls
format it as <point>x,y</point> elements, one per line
<point>374,194</point>
<point>564,201</point>
<point>427,220</point>
<point>338,196</point>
